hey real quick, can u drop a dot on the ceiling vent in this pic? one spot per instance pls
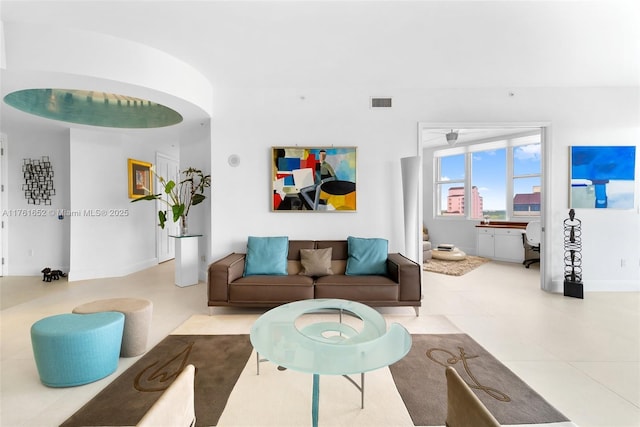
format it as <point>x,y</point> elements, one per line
<point>380,102</point>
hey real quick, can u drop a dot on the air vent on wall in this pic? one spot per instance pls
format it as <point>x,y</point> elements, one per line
<point>380,102</point>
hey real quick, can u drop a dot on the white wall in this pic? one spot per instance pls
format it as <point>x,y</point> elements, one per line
<point>90,176</point>
<point>90,165</point>
<point>109,236</point>
<point>35,237</point>
<point>316,92</point>
<point>248,122</point>
<point>195,151</point>
<point>578,116</point>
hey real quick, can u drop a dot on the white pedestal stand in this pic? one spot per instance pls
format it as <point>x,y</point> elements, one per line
<point>186,260</point>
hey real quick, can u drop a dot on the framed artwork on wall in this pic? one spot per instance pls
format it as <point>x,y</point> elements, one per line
<point>602,177</point>
<point>140,183</point>
<point>314,179</point>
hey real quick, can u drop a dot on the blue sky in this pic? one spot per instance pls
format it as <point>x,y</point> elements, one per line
<point>489,172</point>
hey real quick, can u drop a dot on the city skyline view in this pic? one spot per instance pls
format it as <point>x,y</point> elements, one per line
<point>489,174</point>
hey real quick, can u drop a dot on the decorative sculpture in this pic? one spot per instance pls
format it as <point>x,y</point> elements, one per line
<point>573,257</point>
<point>49,274</point>
<point>38,181</point>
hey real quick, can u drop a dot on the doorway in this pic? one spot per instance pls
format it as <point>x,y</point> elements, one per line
<point>168,168</point>
<point>461,137</point>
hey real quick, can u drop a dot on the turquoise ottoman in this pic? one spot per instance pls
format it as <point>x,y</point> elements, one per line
<point>74,349</point>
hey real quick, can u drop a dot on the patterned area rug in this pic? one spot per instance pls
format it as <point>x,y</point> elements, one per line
<point>219,360</point>
<point>454,268</point>
<point>421,382</point>
<point>222,362</point>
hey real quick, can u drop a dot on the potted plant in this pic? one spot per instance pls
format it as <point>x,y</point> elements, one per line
<point>180,196</point>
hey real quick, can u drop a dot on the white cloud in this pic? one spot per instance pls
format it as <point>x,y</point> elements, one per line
<point>526,152</point>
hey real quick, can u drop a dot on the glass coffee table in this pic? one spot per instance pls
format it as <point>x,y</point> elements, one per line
<point>328,347</point>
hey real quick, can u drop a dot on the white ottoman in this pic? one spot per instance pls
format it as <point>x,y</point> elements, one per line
<point>137,320</point>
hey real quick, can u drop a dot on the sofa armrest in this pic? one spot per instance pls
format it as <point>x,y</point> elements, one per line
<point>222,273</point>
<point>407,274</point>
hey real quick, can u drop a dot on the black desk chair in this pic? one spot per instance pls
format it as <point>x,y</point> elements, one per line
<point>531,242</point>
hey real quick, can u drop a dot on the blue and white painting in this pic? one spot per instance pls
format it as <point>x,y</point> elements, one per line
<point>603,177</point>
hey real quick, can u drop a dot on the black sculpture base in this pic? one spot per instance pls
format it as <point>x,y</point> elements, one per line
<point>573,289</point>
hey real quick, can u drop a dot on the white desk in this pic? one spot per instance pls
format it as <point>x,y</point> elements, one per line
<point>186,259</point>
<point>501,243</point>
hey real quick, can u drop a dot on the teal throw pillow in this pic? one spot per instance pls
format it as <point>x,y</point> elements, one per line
<point>266,255</point>
<point>366,256</point>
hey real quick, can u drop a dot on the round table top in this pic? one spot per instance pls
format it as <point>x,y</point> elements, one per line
<point>332,346</point>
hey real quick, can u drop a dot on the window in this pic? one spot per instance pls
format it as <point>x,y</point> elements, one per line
<point>502,179</point>
<point>488,175</point>
<point>526,180</point>
<point>450,185</point>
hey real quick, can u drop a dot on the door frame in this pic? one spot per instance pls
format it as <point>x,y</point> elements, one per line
<point>545,138</point>
<point>3,203</point>
<point>170,226</point>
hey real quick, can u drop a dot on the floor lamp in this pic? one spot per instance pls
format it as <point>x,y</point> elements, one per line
<point>410,168</point>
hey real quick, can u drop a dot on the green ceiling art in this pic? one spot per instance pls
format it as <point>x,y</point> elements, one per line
<point>93,108</point>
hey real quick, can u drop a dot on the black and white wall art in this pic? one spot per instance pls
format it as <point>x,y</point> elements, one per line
<point>38,181</point>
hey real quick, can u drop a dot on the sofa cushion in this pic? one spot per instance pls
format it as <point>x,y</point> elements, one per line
<point>296,245</point>
<point>316,262</point>
<point>269,289</point>
<point>338,248</point>
<point>294,267</point>
<point>357,288</point>
<point>366,256</point>
<point>266,255</point>
<point>339,266</point>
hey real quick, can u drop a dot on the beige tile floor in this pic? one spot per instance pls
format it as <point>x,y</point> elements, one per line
<point>583,356</point>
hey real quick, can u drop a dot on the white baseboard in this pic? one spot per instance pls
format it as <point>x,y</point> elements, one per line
<point>27,270</point>
<point>112,271</point>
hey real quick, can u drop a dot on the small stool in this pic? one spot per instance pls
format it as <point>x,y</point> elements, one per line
<point>74,349</point>
<point>137,320</point>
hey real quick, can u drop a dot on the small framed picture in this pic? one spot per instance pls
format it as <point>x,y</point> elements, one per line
<point>140,182</point>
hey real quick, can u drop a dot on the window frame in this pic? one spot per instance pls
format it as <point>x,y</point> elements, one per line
<point>510,144</point>
<point>438,183</point>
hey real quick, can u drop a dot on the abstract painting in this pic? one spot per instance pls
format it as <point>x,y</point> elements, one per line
<point>314,179</point>
<point>602,177</point>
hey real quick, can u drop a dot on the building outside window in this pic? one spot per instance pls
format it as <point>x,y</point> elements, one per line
<point>450,185</point>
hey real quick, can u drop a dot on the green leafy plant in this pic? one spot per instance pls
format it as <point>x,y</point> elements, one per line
<point>179,197</point>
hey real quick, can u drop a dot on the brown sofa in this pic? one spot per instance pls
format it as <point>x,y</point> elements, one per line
<point>400,287</point>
